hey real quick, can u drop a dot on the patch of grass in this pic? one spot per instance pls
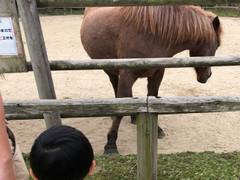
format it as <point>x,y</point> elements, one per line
<point>207,165</point>
<point>115,167</point>
<point>60,11</point>
<point>226,12</point>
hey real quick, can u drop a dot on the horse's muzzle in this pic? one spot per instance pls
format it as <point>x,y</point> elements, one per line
<point>204,79</point>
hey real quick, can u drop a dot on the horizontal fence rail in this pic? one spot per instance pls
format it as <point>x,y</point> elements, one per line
<point>76,108</point>
<point>83,3</point>
<point>121,106</point>
<point>179,105</point>
<point>137,63</point>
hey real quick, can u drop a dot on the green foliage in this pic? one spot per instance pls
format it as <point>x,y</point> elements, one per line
<point>207,165</point>
<point>115,167</point>
<point>60,11</point>
<point>192,166</point>
<point>226,12</point>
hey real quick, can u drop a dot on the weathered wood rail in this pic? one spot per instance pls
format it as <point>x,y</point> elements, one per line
<point>141,63</point>
<point>122,106</point>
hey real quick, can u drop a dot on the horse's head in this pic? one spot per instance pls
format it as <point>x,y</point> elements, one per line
<point>208,49</point>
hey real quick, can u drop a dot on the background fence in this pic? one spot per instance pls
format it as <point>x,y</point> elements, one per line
<point>52,7</point>
<point>83,3</point>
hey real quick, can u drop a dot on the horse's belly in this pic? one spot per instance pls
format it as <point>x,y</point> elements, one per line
<point>144,72</point>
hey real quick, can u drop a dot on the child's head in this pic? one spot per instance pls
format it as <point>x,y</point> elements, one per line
<point>61,153</point>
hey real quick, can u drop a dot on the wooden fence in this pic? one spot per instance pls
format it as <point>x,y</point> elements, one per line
<point>83,3</point>
<point>146,108</point>
<point>121,106</point>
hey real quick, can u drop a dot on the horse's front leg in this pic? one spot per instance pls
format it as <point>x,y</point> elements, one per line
<point>113,79</point>
<point>154,82</point>
<point>111,145</point>
<point>153,87</point>
<point>125,83</point>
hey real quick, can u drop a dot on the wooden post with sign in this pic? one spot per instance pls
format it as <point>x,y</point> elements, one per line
<point>12,57</point>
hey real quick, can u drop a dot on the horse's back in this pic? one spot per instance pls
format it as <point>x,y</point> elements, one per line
<point>99,32</point>
<point>116,32</point>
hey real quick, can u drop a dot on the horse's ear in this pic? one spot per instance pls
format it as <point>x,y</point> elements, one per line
<point>216,23</point>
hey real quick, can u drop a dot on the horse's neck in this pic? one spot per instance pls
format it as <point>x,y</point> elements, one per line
<point>190,46</point>
<point>164,51</point>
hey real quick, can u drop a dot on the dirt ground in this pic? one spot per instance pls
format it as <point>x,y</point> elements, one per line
<point>219,132</point>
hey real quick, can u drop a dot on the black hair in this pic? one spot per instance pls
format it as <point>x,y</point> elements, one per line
<point>61,153</point>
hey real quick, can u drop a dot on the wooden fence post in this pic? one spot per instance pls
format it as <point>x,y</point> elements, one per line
<point>38,54</point>
<point>147,124</point>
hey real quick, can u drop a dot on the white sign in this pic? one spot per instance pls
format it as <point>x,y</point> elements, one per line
<point>8,45</point>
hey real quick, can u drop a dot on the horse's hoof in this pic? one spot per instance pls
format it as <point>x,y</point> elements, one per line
<point>110,151</point>
<point>161,133</point>
<point>133,120</point>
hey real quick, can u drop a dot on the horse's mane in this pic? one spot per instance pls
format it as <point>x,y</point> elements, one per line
<point>173,24</point>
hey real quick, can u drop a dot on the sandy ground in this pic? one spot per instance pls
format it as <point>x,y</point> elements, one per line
<point>218,132</point>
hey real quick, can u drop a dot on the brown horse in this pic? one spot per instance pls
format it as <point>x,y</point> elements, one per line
<point>147,32</point>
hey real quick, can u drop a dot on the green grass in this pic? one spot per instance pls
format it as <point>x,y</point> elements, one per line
<point>60,11</point>
<point>207,165</point>
<point>226,12</point>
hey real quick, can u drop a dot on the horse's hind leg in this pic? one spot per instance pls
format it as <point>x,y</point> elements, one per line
<point>111,146</point>
<point>153,86</point>
<point>125,83</point>
<point>114,81</point>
